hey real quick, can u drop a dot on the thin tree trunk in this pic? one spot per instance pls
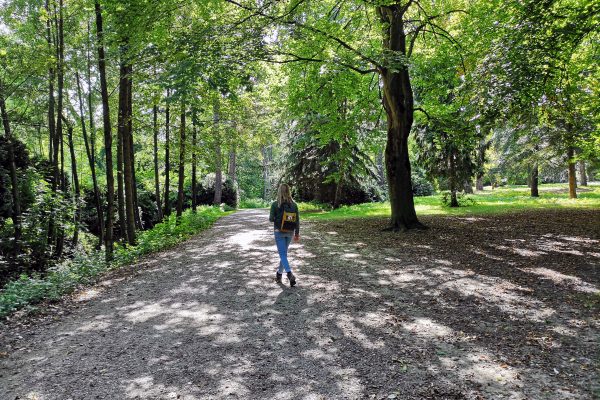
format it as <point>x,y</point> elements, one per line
<point>266,175</point>
<point>59,128</point>
<point>231,165</point>
<point>194,179</point>
<point>468,187</point>
<point>338,190</point>
<point>90,99</point>
<point>572,177</point>
<point>75,183</point>
<point>582,174</point>
<point>136,208</point>
<point>535,180</point>
<point>110,182</point>
<point>14,183</point>
<point>453,188</point>
<point>232,172</point>
<point>181,177</point>
<point>167,158</point>
<point>399,106</point>
<point>51,101</point>
<point>479,183</point>
<point>156,172</point>
<point>91,161</point>
<point>128,222</point>
<point>121,127</point>
<point>218,156</point>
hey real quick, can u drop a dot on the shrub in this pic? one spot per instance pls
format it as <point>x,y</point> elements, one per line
<point>85,267</point>
<point>254,203</point>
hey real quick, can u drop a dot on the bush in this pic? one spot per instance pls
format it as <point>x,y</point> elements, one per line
<point>464,200</point>
<point>254,203</point>
<point>420,185</point>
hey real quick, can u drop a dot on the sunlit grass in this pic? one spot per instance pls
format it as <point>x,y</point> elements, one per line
<point>488,201</point>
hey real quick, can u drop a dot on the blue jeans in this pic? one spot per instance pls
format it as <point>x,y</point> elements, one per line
<point>283,240</point>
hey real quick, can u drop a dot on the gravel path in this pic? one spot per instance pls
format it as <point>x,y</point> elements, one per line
<point>207,321</point>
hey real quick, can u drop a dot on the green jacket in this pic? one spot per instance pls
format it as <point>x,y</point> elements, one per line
<point>276,215</point>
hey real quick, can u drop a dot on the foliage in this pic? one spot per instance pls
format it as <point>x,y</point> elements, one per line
<point>86,266</point>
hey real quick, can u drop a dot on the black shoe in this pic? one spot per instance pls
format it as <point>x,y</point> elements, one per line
<point>278,277</point>
<point>292,279</point>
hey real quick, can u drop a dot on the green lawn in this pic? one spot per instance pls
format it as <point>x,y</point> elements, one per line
<point>505,199</point>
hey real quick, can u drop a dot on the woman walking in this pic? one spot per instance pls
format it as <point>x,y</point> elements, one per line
<point>286,221</point>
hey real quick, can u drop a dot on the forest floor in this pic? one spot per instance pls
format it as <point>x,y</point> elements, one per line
<point>477,307</point>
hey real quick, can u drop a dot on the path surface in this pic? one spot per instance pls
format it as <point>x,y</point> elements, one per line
<point>207,321</point>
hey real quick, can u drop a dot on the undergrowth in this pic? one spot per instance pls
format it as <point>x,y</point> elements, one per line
<point>86,266</point>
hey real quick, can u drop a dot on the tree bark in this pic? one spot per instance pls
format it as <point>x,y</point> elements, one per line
<point>398,103</point>
<point>181,177</point>
<point>194,179</point>
<point>218,155</point>
<point>14,182</point>
<point>583,181</point>
<point>91,160</point>
<point>167,157</point>
<point>110,182</point>
<point>156,172</point>
<point>572,177</point>
<point>535,180</point>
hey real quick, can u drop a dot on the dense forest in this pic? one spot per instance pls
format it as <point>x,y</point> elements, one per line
<point>118,115</point>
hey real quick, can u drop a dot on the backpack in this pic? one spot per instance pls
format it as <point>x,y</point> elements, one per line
<point>289,219</point>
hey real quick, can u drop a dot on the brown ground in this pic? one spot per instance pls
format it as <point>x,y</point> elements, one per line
<point>474,308</point>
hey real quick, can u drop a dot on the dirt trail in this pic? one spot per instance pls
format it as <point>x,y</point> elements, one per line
<point>206,320</point>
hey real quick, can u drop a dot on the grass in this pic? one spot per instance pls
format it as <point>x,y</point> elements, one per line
<point>86,267</point>
<point>488,201</point>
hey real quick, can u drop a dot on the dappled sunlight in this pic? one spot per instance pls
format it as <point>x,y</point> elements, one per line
<point>573,282</point>
<point>425,327</point>
<point>213,323</point>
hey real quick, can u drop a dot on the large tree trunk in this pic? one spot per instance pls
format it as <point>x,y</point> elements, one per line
<point>156,172</point>
<point>14,183</point>
<point>572,177</point>
<point>110,181</point>
<point>218,155</point>
<point>194,178</point>
<point>91,161</point>
<point>167,157</point>
<point>535,180</point>
<point>583,181</point>
<point>127,151</point>
<point>181,177</point>
<point>399,106</point>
